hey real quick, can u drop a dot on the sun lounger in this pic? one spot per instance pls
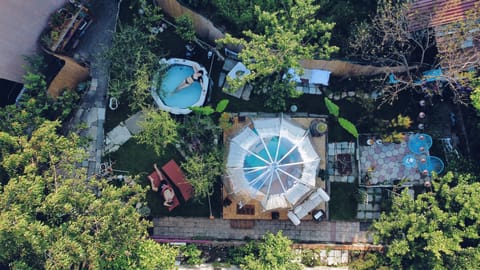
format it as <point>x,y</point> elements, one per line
<point>176,176</point>
<point>155,181</point>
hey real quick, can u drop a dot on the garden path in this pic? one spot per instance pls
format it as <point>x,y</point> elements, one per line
<point>92,106</point>
<point>307,231</point>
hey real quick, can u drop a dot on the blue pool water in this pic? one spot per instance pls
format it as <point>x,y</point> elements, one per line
<point>272,145</point>
<point>187,96</point>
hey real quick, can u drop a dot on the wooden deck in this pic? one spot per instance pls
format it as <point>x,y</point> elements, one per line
<point>233,211</point>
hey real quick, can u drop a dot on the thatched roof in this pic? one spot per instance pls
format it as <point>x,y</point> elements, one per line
<point>68,77</point>
<point>347,69</point>
<point>21,23</point>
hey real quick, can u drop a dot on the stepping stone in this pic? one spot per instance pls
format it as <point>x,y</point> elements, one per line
<point>237,93</point>
<point>361,215</point>
<point>221,79</point>
<point>229,64</point>
<point>246,92</point>
<point>132,123</point>
<point>119,135</point>
<point>101,114</point>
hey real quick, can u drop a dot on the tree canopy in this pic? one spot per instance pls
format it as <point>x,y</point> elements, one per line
<point>53,216</point>
<point>282,38</point>
<point>159,130</point>
<point>437,230</point>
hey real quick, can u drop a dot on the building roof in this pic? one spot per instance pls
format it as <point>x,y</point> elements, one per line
<point>21,23</point>
<point>439,12</point>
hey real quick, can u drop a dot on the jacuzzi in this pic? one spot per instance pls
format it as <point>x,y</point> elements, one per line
<point>163,89</point>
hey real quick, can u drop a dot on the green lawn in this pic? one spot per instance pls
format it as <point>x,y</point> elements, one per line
<point>343,203</point>
<point>138,159</point>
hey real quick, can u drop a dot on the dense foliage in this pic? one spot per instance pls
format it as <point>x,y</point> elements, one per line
<point>132,57</point>
<point>52,216</point>
<point>36,105</point>
<point>280,40</point>
<point>437,230</point>
<point>159,130</point>
<point>273,252</point>
<point>204,154</point>
<point>184,28</point>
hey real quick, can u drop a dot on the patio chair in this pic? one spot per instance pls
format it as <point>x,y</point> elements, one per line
<point>158,180</point>
<point>177,178</point>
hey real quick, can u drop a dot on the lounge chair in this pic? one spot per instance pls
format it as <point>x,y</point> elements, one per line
<point>156,180</point>
<point>177,177</point>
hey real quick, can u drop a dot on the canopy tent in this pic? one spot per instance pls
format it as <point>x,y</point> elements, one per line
<point>272,161</point>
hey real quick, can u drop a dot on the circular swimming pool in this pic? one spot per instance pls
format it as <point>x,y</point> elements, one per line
<point>179,102</point>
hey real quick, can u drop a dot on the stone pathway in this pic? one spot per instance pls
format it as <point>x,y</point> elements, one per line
<point>93,103</point>
<point>370,208</point>
<point>307,231</point>
<point>123,132</point>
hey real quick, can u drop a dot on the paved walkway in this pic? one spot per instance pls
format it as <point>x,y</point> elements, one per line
<point>93,104</point>
<point>307,231</point>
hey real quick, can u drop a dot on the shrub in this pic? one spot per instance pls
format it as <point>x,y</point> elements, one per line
<point>192,254</point>
<point>310,258</point>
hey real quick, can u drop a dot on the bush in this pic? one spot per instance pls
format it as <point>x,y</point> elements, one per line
<point>310,258</point>
<point>192,254</point>
<point>185,28</point>
<point>237,254</point>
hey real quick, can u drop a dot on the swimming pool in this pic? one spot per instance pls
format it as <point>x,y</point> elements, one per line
<point>163,90</point>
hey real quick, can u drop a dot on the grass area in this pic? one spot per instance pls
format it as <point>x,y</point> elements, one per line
<point>138,159</point>
<point>343,203</point>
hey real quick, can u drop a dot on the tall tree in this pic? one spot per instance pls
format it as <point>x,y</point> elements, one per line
<point>440,229</point>
<point>283,38</point>
<point>202,171</point>
<point>53,216</point>
<point>398,35</point>
<point>159,130</point>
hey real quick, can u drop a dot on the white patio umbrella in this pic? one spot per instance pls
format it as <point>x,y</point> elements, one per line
<point>273,162</point>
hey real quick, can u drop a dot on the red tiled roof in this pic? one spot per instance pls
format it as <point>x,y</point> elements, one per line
<point>439,12</point>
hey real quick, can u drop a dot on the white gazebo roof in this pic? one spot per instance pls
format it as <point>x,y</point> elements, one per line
<point>272,161</point>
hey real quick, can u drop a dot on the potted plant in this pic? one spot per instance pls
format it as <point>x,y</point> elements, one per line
<point>54,35</point>
<point>318,127</point>
<point>321,127</point>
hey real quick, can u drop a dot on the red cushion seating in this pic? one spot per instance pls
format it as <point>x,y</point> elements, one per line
<point>176,175</point>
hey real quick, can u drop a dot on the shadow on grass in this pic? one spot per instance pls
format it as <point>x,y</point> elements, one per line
<point>343,202</point>
<point>138,159</point>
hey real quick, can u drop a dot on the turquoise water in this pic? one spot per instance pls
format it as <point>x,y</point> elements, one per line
<point>184,98</point>
<point>272,145</point>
